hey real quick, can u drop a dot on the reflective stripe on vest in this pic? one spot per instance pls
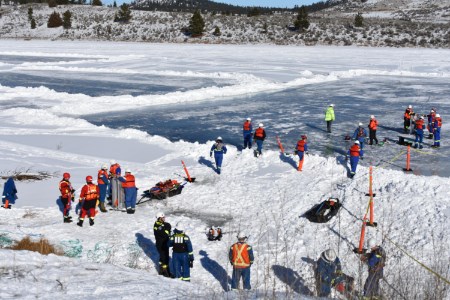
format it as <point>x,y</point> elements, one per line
<point>91,192</point>
<point>240,256</point>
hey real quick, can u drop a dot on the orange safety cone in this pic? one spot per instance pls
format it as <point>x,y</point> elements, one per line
<point>6,205</point>
<point>408,160</point>
<point>280,145</point>
<point>189,178</point>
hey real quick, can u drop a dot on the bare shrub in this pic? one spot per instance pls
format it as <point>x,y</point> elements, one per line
<point>42,246</point>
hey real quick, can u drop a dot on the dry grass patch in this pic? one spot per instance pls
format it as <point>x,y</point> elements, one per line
<point>42,246</point>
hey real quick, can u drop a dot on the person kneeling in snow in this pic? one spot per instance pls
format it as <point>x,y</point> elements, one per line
<point>9,193</point>
<point>214,234</point>
<point>219,150</point>
<point>329,275</point>
<point>183,254</point>
<point>89,197</point>
<point>129,186</point>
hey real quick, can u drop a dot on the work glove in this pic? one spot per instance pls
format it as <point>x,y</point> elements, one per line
<point>307,153</point>
<point>191,264</point>
<point>210,154</point>
<point>73,198</point>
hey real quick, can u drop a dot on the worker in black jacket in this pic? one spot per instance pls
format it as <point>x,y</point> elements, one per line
<point>162,231</point>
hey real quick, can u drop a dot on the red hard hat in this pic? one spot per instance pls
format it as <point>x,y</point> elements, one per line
<point>89,178</point>
<point>66,176</point>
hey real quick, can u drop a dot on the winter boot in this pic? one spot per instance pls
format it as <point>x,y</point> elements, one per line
<point>67,219</point>
<point>129,210</point>
<point>133,210</point>
<point>165,272</point>
<point>80,222</point>
<point>102,207</point>
<point>91,221</point>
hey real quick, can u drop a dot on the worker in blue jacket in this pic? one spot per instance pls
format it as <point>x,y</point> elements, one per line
<point>219,150</point>
<point>182,255</point>
<point>328,272</point>
<point>9,193</point>
<point>375,260</point>
<point>360,135</point>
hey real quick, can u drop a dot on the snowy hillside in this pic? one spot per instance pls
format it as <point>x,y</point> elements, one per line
<point>382,27</point>
<point>44,130</point>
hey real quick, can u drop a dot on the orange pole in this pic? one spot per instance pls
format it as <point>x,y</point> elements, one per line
<point>186,170</point>
<point>280,145</point>
<point>371,194</point>
<point>363,234</point>
<point>408,158</point>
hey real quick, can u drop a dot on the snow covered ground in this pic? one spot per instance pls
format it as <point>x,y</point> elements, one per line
<point>43,129</point>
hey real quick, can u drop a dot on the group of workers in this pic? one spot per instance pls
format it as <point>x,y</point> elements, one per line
<point>434,123</point>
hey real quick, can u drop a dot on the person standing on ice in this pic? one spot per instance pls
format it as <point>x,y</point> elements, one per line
<point>360,134</point>
<point>407,118</point>
<point>259,137</point>
<point>247,131</point>
<point>67,196</point>
<point>375,260</point>
<point>301,149</point>
<point>329,117</point>
<point>103,182</point>
<point>129,187</point>
<point>219,150</point>
<point>437,131</point>
<point>183,254</point>
<point>328,274</point>
<point>162,230</point>
<point>241,258</point>
<point>373,124</point>
<point>354,153</point>
<point>88,197</point>
<point>431,117</point>
<point>420,126</point>
<point>114,172</point>
<point>9,193</point>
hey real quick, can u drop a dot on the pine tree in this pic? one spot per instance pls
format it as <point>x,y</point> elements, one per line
<point>67,19</point>
<point>52,3</point>
<point>114,4</point>
<point>196,24</point>
<point>217,31</point>
<point>124,14</point>
<point>302,22</point>
<point>33,24</point>
<point>54,20</point>
<point>359,20</point>
<point>30,13</point>
<point>97,3</point>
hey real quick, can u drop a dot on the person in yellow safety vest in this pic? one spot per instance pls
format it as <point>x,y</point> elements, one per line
<point>241,258</point>
<point>329,117</point>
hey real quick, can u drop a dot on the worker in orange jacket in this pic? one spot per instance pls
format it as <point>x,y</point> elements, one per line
<point>67,196</point>
<point>241,258</point>
<point>129,186</point>
<point>88,197</point>
<point>301,149</point>
<point>355,152</point>
<point>373,124</point>
<point>259,137</point>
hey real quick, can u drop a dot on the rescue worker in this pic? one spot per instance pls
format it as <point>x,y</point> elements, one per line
<point>437,131</point>
<point>430,118</point>
<point>67,196</point>
<point>373,124</point>
<point>259,137</point>
<point>247,131</point>
<point>214,233</point>
<point>329,117</point>
<point>375,260</point>
<point>327,273</point>
<point>219,150</point>
<point>354,153</point>
<point>420,126</point>
<point>162,231</point>
<point>182,255</point>
<point>360,134</point>
<point>88,197</point>
<point>241,258</point>
<point>301,149</point>
<point>103,182</point>
<point>114,172</point>
<point>407,118</point>
<point>129,186</point>
<point>9,193</point>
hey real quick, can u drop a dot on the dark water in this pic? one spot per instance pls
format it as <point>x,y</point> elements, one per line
<point>291,113</point>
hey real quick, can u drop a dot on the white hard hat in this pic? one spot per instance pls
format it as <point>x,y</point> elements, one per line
<point>104,167</point>
<point>432,111</point>
<point>372,116</point>
<point>438,115</point>
<point>249,119</point>
<point>332,105</point>
<point>127,170</point>
<point>179,227</point>
<point>261,125</point>
<point>360,124</point>
<point>409,106</point>
<point>241,235</point>
<point>371,243</point>
<point>160,215</point>
<point>219,138</point>
<point>329,255</point>
<point>112,162</point>
<point>357,142</point>
<point>421,117</point>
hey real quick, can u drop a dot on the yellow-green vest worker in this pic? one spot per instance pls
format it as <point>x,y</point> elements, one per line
<point>329,116</point>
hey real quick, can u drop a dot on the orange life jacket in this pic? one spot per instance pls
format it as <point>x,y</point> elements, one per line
<point>373,124</point>
<point>240,258</point>
<point>420,124</point>
<point>439,122</point>
<point>90,192</point>
<point>408,113</point>
<point>129,181</point>
<point>259,132</point>
<point>247,125</point>
<point>301,145</point>
<point>65,187</point>
<point>101,173</point>
<point>354,150</point>
<point>113,168</point>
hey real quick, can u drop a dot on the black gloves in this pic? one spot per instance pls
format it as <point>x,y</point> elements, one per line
<point>191,264</point>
